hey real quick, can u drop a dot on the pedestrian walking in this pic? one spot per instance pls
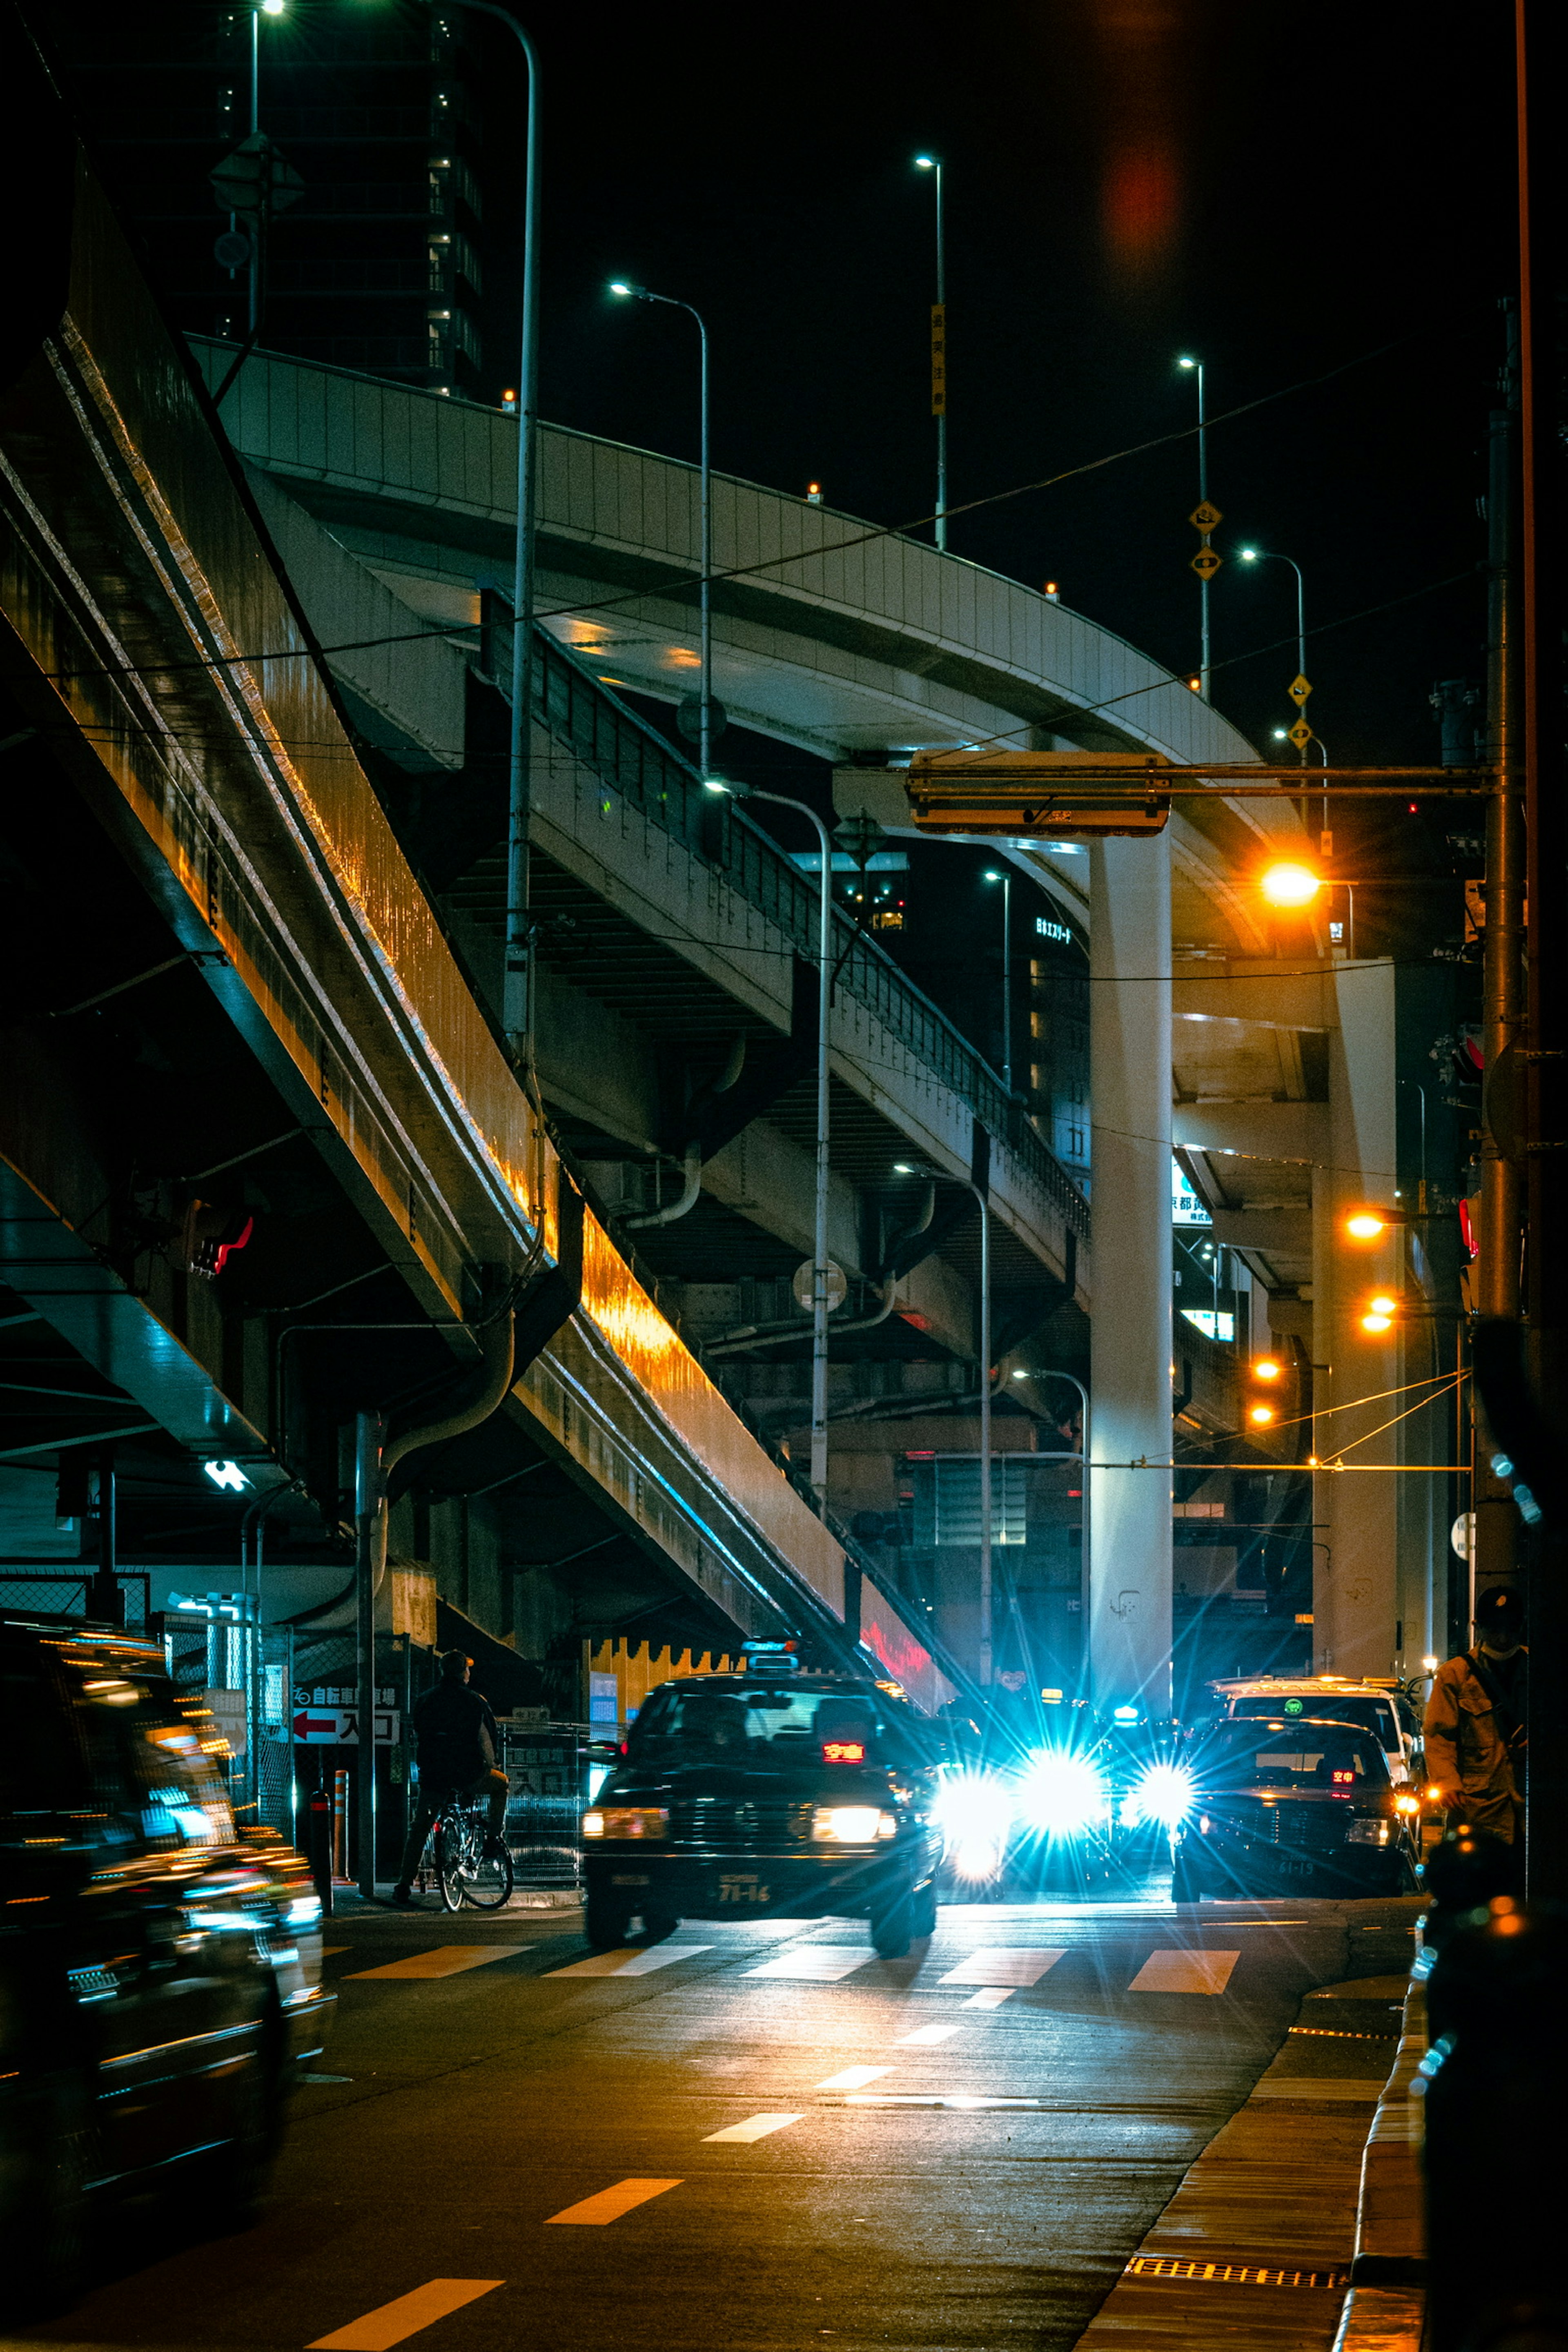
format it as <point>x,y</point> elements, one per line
<point>1474,1728</point>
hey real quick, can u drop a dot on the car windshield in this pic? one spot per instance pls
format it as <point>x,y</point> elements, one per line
<point>764,1725</point>
<point>1374,1714</point>
<point>1295,1753</point>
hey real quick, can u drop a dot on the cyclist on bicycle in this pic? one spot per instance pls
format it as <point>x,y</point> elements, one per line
<point>457,1745</point>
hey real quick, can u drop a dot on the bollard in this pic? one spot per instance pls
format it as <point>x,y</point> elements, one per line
<point>319,1843</point>
<point>1494,2085</point>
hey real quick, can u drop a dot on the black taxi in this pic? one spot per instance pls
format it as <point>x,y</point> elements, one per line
<point>160,1970</point>
<point>1287,1805</point>
<point>768,1791</point>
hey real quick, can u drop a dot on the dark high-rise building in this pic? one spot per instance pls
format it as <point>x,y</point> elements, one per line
<point>377,264</point>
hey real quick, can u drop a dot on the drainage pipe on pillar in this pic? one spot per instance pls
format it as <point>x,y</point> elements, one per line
<point>1128,1478</point>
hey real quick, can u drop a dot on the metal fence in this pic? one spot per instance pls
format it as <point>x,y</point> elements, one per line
<point>628,755</point>
<point>64,1593</point>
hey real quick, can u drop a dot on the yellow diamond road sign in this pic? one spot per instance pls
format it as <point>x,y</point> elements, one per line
<point>1300,734</point>
<point>1205,517</point>
<point>1205,562</point>
<point>1298,689</point>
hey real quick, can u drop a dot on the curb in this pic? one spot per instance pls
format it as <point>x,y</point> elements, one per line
<point>1386,2306</point>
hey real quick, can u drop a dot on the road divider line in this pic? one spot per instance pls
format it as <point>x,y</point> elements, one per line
<point>610,2203</point>
<point>990,1997</point>
<point>631,1960</point>
<point>328,1951</point>
<point>854,2078</point>
<point>1005,1964</point>
<point>755,2128</point>
<point>930,2033</point>
<point>394,2323</point>
<point>441,1960</point>
<point>1177,1971</point>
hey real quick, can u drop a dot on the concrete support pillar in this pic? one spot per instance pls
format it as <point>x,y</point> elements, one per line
<point>1355,1577</point>
<point>1130,1357</point>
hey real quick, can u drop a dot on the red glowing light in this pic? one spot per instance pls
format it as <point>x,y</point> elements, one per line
<point>1344,1780</point>
<point>843,1751</point>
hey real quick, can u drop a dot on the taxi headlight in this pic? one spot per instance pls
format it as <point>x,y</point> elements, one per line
<point>1368,1829</point>
<point>1063,1794</point>
<point>852,1824</point>
<point>627,1822</point>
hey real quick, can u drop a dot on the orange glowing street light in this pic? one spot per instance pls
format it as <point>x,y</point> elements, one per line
<point>1379,1316</point>
<point>1290,885</point>
<point>1260,1415</point>
<point>1367,1224</point>
<point>1267,1367</point>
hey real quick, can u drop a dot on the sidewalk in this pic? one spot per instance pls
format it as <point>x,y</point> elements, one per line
<point>1287,2208</point>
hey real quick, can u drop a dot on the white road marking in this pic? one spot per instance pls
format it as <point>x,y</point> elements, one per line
<point>1174,1972</point>
<point>441,1960</point>
<point>1005,1964</point>
<point>854,2078</point>
<point>928,2033</point>
<point>755,2128</point>
<point>991,1997</point>
<point>631,1960</point>
<point>816,1963</point>
<point>394,2323</point>
<point>1304,2086</point>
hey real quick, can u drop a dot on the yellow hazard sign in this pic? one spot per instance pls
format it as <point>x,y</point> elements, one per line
<point>1205,517</point>
<point>1205,562</point>
<point>1300,734</point>
<point>1298,689</point>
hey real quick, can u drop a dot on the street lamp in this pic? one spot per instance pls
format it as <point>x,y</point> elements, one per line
<point>704,519</point>
<point>933,164</point>
<point>1290,885</point>
<point>820,1308</point>
<point>1195,367</point>
<point>1006,879</point>
<point>1265,555</point>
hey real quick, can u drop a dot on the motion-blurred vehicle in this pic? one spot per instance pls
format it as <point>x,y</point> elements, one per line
<point>767,1792</point>
<point>1294,1805</point>
<point>1383,1709</point>
<point>159,1974</point>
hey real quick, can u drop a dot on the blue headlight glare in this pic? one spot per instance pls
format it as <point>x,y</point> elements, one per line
<point>1063,1794</point>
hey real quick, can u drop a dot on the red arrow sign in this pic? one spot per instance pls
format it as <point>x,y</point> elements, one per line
<point>315,1727</point>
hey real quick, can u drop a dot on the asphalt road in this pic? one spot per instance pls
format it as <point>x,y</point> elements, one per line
<point>755,2135</point>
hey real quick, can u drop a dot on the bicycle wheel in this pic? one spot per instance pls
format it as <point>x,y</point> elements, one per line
<point>488,1883</point>
<point>453,1835</point>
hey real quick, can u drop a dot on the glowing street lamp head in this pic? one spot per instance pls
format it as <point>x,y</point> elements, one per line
<point>1365,1225</point>
<point>1249,554</point>
<point>927,162</point>
<point>1260,1415</point>
<point>272,7</point>
<point>1383,1307</point>
<point>619,286</point>
<point>1375,1325</point>
<point>1266,1368</point>
<point>1290,886</point>
<point>1186,363</point>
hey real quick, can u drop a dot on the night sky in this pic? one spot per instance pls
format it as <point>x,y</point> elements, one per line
<point>1280,190</point>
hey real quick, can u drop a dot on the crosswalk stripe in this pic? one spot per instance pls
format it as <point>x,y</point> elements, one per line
<point>1005,1964</point>
<point>1177,1971</point>
<point>854,2078</point>
<point>394,2323</point>
<point>990,1997</point>
<point>631,1960</point>
<point>610,2203</point>
<point>816,1963</point>
<point>755,2128</point>
<point>929,2034</point>
<point>441,1960</point>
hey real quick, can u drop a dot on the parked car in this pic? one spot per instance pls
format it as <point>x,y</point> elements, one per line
<point>1381,1707</point>
<point>159,1974</point>
<point>738,1796</point>
<point>1294,1805</point>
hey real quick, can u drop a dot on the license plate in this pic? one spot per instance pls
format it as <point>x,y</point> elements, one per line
<point>627,1880</point>
<point>741,1886</point>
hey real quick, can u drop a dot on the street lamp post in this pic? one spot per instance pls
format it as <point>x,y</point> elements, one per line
<point>819,1310</point>
<point>933,164</point>
<point>1006,879</point>
<point>1196,367</point>
<point>517,988</point>
<point>704,519</point>
<point>1266,555</point>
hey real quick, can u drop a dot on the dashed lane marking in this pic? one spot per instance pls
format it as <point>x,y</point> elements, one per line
<point>394,2323</point>
<point>631,1960</point>
<point>854,2078</point>
<point>755,2128</point>
<point>816,1963</point>
<point>328,1951</point>
<point>930,2033</point>
<point>991,1997</point>
<point>1005,1964</point>
<point>610,2203</point>
<point>1175,1971</point>
<point>441,1960</point>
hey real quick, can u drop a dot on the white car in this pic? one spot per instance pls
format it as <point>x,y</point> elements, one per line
<point>1382,1709</point>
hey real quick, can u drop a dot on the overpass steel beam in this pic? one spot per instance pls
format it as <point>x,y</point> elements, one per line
<point>1129,1631</point>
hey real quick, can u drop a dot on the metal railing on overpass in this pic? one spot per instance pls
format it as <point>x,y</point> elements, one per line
<point>634,760</point>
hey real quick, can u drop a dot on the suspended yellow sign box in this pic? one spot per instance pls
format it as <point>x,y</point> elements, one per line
<point>1039,795</point>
